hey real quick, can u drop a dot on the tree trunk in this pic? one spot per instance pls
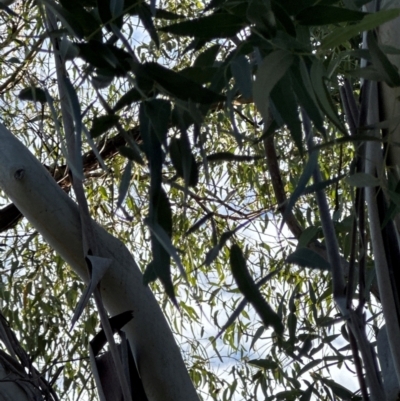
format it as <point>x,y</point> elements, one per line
<point>29,185</point>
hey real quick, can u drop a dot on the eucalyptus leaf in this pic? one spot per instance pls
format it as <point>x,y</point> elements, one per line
<point>269,72</point>
<point>370,21</point>
<point>305,257</point>
<point>361,180</point>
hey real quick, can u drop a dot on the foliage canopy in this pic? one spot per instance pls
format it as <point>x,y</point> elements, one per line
<point>194,155</point>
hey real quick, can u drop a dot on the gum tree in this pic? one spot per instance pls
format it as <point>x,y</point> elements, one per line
<point>187,136</point>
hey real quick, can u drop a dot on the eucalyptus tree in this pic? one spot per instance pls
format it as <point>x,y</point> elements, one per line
<point>163,151</point>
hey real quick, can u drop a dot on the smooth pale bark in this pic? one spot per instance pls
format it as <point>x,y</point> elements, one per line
<point>389,34</point>
<point>28,184</point>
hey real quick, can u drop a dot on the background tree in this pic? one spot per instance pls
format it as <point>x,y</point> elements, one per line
<point>191,133</point>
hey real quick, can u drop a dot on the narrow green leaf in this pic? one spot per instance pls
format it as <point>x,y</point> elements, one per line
<point>308,235</point>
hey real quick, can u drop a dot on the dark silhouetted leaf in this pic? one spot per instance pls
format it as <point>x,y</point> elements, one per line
<point>260,14</point>
<point>268,364</point>
<point>219,25</point>
<point>230,157</point>
<point>178,152</point>
<point>168,15</point>
<point>337,389</point>
<point>257,335</point>
<point>312,163</point>
<point>199,223</point>
<point>207,57</point>
<point>87,22</point>
<point>102,124</point>
<point>251,292</point>
<point>305,257</point>
<point>66,17</point>
<point>303,89</point>
<point>146,17</point>
<point>105,56</point>
<point>132,96</point>
<point>286,104</point>
<point>370,21</point>
<point>382,64</point>
<point>241,71</point>
<point>200,75</point>
<point>306,396</point>
<point>149,274</point>
<point>213,253</point>
<point>125,182</point>
<point>322,15</point>
<point>317,79</point>
<point>270,71</point>
<point>33,94</point>
<point>175,84</point>
<point>361,180</point>
<point>165,240</point>
<point>131,154</point>
<point>158,112</point>
<point>309,366</point>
